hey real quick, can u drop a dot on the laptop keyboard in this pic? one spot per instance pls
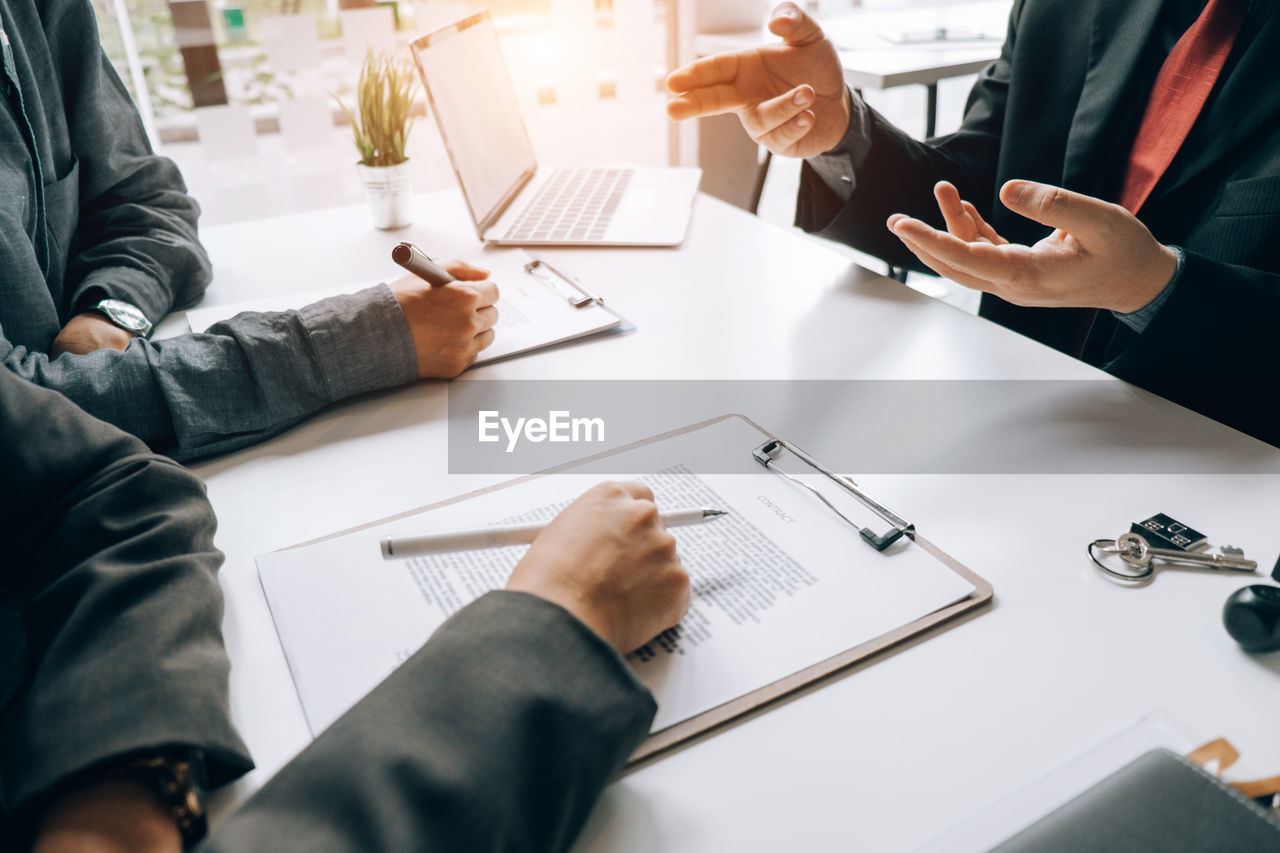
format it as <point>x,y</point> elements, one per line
<point>574,205</point>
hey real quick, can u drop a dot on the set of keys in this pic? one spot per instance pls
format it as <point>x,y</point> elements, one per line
<point>1161,538</point>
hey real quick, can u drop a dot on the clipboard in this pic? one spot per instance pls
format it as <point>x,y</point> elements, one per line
<point>696,728</point>
<point>539,307</point>
<point>760,697</point>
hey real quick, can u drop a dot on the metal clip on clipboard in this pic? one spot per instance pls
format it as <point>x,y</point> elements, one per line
<point>766,453</point>
<point>566,285</point>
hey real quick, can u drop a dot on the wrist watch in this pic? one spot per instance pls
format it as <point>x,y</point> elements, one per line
<point>126,316</point>
<point>173,776</point>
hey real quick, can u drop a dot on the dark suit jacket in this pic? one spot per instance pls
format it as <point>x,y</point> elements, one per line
<point>1062,105</point>
<point>110,611</point>
<point>498,734</point>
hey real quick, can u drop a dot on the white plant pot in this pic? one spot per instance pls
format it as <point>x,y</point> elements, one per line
<point>390,194</point>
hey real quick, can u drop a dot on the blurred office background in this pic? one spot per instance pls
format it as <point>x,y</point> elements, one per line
<point>240,92</point>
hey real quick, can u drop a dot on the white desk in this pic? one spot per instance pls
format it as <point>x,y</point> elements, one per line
<point>888,756</point>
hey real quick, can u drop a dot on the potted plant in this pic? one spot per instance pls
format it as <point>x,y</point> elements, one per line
<point>384,98</point>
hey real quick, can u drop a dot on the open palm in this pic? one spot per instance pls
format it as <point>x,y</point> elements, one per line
<point>1099,255</point>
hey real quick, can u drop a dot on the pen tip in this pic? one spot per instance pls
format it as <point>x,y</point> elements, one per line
<point>713,513</point>
<point>386,549</point>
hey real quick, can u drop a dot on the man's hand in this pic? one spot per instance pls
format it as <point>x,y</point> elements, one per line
<point>450,324</point>
<point>608,560</point>
<point>117,816</point>
<point>790,97</point>
<point>88,332</point>
<point>1100,256</point>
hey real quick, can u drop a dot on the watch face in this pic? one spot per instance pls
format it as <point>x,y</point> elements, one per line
<point>126,316</point>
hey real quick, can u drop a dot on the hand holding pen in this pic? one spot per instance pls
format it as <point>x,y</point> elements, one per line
<point>449,308</point>
<point>608,560</point>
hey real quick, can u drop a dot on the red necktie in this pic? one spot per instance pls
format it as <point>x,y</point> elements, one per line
<point>1182,87</point>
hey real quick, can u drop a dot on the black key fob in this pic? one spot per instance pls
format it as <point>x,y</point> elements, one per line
<point>1252,617</point>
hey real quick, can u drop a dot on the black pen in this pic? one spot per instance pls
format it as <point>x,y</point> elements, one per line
<point>420,264</point>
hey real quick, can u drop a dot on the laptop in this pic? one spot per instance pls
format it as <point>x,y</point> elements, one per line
<point>512,201</point>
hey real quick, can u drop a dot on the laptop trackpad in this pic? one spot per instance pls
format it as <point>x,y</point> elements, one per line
<point>655,208</point>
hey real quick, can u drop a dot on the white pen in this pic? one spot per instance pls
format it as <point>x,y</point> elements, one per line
<point>519,534</point>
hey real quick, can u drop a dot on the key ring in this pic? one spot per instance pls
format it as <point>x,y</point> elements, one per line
<point>1138,555</point>
<point>1142,575</point>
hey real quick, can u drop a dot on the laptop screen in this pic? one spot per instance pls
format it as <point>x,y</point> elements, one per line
<point>470,91</point>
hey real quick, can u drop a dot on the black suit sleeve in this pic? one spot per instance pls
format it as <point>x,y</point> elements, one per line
<point>1212,346</point>
<point>111,606</point>
<point>1201,328</point>
<point>499,734</point>
<point>899,173</point>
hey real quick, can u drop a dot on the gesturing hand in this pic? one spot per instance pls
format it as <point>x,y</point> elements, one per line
<point>790,97</point>
<point>608,560</point>
<point>1099,256</point>
<point>451,324</point>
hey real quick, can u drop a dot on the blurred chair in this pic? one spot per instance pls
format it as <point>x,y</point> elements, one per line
<point>229,145</point>
<point>236,203</point>
<point>306,122</point>
<point>226,132</point>
<point>431,15</point>
<point>291,43</point>
<point>365,29</point>
<point>314,166</point>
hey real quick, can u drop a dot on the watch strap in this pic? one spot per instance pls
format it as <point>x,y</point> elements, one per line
<point>175,775</point>
<point>173,778</point>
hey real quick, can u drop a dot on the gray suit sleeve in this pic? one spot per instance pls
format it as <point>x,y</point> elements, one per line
<point>136,238</point>
<point>499,734</point>
<point>122,219</point>
<point>108,584</point>
<point>245,380</point>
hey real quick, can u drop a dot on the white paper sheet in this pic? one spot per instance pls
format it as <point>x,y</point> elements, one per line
<point>780,584</point>
<point>532,314</point>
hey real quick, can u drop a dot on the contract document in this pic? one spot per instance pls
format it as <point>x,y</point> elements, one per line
<point>780,584</point>
<point>534,308</point>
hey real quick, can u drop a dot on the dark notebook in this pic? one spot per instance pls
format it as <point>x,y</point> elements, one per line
<point>1160,801</point>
